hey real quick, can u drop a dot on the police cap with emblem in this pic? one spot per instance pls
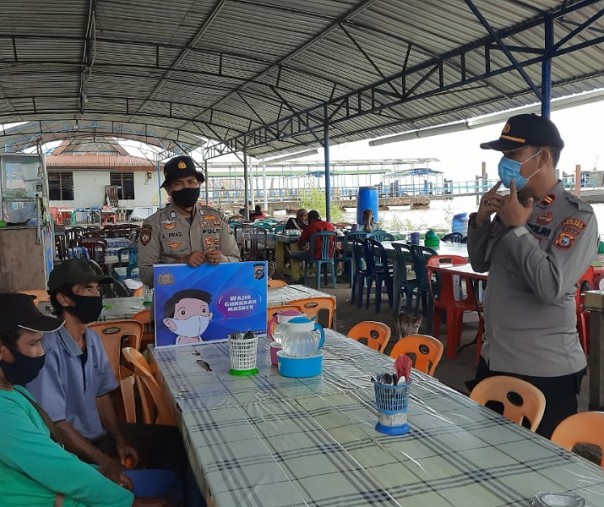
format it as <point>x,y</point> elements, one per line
<point>180,167</point>
<point>526,130</point>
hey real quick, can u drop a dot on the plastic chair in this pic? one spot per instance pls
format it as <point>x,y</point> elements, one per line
<point>252,241</point>
<point>446,298</point>
<point>380,235</point>
<point>40,296</point>
<point>360,272</point>
<point>148,338</point>
<point>328,241</point>
<point>275,284</point>
<point>581,428</point>
<point>404,284</point>
<point>97,250</point>
<point>155,407</point>
<point>379,271</point>
<point>116,334</point>
<point>586,282</point>
<point>371,333</point>
<point>347,254</point>
<point>420,255</point>
<point>426,351</point>
<point>520,399</point>
<point>132,253</point>
<point>321,308</point>
<point>128,401</point>
<point>452,237</point>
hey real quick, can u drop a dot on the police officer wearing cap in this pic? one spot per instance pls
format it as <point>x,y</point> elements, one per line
<point>535,242</point>
<point>184,231</point>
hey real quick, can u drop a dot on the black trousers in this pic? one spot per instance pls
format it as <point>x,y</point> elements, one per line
<point>560,394</point>
<point>158,446</point>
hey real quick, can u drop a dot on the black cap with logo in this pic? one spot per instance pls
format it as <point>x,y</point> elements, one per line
<point>526,130</point>
<point>180,167</point>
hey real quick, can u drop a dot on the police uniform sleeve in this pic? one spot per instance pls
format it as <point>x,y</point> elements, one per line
<point>149,249</point>
<point>478,237</point>
<point>228,245</point>
<point>552,273</point>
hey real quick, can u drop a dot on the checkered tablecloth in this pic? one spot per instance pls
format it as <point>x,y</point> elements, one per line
<point>290,293</point>
<point>268,440</point>
<point>115,244</point>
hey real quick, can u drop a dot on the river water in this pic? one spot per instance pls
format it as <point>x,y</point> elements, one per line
<point>439,215</point>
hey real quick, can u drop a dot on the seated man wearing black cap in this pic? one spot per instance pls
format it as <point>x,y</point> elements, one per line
<point>35,469</point>
<point>184,231</point>
<point>76,383</point>
<point>540,242</point>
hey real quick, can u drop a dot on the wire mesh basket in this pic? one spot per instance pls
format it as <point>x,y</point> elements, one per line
<point>392,403</point>
<point>243,352</point>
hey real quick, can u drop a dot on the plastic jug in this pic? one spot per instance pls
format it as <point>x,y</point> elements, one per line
<point>431,239</point>
<point>302,337</point>
<point>274,329</point>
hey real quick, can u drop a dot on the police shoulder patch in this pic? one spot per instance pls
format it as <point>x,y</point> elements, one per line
<point>565,240</point>
<point>145,235</point>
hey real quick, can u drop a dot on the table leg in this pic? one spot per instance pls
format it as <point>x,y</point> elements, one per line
<point>279,258</point>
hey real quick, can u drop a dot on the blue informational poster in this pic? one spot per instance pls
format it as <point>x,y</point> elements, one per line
<point>196,305</point>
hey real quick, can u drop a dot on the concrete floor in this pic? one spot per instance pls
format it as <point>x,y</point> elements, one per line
<point>451,372</point>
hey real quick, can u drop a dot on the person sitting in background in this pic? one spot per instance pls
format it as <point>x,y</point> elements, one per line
<point>310,252</point>
<point>34,468</point>
<point>299,222</point>
<point>257,214</point>
<point>368,224</point>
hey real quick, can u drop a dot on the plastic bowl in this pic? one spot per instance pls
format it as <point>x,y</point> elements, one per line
<point>299,367</point>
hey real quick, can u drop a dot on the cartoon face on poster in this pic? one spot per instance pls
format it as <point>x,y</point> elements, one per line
<point>196,305</point>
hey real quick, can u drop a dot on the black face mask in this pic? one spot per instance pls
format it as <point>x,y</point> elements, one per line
<point>186,197</point>
<point>87,308</point>
<point>24,369</point>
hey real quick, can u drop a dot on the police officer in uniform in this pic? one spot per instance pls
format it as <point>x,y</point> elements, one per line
<point>184,231</point>
<point>539,243</point>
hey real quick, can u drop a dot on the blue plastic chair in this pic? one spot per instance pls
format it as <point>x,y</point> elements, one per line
<point>421,254</point>
<point>379,272</point>
<point>380,235</point>
<point>360,273</point>
<point>132,253</point>
<point>404,285</point>
<point>347,255</point>
<point>328,243</point>
<point>452,237</point>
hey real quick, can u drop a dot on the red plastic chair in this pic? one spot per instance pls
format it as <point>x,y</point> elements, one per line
<point>587,280</point>
<point>445,301</point>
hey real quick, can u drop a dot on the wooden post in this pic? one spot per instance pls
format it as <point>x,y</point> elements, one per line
<point>578,179</point>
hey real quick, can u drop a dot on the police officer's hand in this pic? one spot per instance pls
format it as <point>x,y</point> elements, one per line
<point>195,258</point>
<point>489,204</point>
<point>215,256</point>
<point>512,212</point>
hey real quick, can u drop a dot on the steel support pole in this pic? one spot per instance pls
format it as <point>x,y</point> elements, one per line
<point>159,182</point>
<point>205,170</point>
<point>327,169</point>
<point>246,187</point>
<point>546,68</point>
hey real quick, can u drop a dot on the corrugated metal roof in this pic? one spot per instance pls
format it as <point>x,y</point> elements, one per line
<point>181,70</point>
<point>98,161</point>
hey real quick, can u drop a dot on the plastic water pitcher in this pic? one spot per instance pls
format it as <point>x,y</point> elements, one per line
<point>275,328</point>
<point>302,337</point>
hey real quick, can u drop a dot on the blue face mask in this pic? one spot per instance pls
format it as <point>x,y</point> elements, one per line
<point>510,170</point>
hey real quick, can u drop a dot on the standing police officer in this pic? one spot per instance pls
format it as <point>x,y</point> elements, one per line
<point>540,242</point>
<point>184,231</point>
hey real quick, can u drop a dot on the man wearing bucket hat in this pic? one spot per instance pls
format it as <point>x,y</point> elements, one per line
<point>34,468</point>
<point>539,243</point>
<point>184,231</point>
<point>76,384</point>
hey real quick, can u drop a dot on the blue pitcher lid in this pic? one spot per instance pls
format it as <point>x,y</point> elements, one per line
<point>303,323</point>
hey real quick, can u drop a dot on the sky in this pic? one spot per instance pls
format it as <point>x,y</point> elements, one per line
<point>460,155</point>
